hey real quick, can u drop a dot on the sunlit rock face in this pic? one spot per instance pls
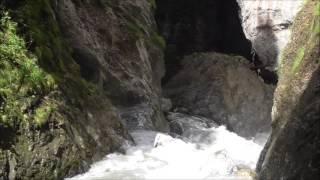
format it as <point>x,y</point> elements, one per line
<point>292,151</point>
<point>224,89</point>
<point>267,25</point>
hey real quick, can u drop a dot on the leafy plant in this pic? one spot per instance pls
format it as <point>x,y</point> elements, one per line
<point>22,81</point>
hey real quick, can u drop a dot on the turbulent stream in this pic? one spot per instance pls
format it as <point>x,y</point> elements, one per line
<point>203,151</point>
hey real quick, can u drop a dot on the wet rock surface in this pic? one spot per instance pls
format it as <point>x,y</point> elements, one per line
<point>292,151</point>
<point>224,89</point>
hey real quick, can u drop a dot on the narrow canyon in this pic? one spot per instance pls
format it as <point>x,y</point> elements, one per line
<point>159,89</point>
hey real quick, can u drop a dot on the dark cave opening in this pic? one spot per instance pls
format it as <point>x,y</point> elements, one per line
<point>190,26</point>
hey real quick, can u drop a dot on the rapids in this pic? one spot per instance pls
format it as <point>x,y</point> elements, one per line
<point>202,152</point>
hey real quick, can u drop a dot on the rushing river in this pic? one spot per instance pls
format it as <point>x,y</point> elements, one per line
<point>202,152</point>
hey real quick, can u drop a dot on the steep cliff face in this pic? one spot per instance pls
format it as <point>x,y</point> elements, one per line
<point>105,63</point>
<point>117,47</point>
<point>267,25</point>
<point>292,151</point>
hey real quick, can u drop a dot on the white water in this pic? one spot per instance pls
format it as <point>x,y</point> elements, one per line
<point>204,153</point>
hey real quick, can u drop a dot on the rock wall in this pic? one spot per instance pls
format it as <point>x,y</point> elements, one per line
<point>224,89</point>
<point>267,25</point>
<point>292,151</point>
<point>106,60</point>
<point>117,46</point>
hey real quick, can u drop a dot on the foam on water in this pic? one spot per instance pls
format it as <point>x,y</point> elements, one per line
<point>204,153</point>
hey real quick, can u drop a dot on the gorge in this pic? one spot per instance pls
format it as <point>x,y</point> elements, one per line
<point>159,89</point>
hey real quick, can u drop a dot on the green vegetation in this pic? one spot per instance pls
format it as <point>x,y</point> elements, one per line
<point>44,32</point>
<point>22,81</point>
<point>158,40</point>
<point>317,9</point>
<point>153,3</point>
<point>306,34</point>
<point>316,23</point>
<point>43,113</point>
<point>54,54</point>
<point>298,59</point>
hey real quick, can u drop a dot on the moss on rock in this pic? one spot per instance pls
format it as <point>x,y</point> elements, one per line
<point>292,151</point>
<point>53,122</point>
<point>22,81</point>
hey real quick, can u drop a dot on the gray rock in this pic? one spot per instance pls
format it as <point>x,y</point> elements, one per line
<point>140,117</point>
<point>166,104</point>
<point>114,45</point>
<point>224,89</point>
<point>109,61</point>
<point>267,25</point>
<point>293,150</point>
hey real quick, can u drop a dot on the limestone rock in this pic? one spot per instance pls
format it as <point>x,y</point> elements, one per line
<point>224,89</point>
<point>267,25</point>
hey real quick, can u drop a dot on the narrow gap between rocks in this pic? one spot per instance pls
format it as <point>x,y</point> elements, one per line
<point>190,26</point>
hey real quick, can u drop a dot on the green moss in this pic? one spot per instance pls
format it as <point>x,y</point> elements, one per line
<point>158,40</point>
<point>53,53</point>
<point>135,30</point>
<point>29,75</point>
<point>21,79</point>
<point>298,60</point>
<point>316,23</point>
<point>42,113</point>
<point>305,38</point>
<point>153,3</point>
<point>317,9</point>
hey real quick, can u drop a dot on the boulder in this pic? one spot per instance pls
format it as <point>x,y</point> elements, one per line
<point>223,88</point>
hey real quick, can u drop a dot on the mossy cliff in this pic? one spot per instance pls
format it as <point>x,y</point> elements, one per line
<point>66,72</point>
<point>292,152</point>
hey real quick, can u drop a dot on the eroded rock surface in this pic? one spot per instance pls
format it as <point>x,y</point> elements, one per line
<point>267,25</point>
<point>106,58</point>
<point>224,89</point>
<point>292,151</point>
<point>117,46</point>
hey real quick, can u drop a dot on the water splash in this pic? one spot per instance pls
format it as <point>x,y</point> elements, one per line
<point>201,153</point>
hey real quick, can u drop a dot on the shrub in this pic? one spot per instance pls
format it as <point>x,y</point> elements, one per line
<point>22,81</point>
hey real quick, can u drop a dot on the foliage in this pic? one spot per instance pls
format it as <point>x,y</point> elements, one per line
<point>304,42</point>
<point>22,81</point>
<point>298,59</point>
